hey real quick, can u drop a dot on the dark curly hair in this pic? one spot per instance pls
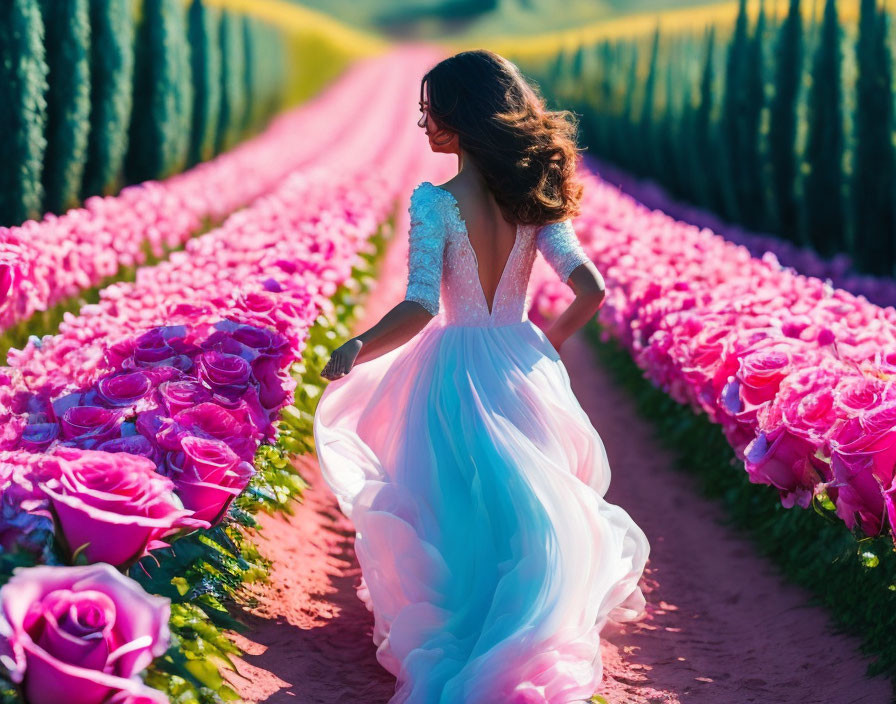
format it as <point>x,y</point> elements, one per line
<point>526,153</point>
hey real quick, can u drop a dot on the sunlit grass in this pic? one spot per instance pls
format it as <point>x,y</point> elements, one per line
<point>685,20</point>
<point>320,47</point>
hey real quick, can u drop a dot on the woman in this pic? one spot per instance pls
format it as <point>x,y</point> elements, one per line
<point>473,477</point>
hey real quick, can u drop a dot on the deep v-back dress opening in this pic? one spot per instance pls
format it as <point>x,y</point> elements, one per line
<point>475,483</point>
<point>466,233</point>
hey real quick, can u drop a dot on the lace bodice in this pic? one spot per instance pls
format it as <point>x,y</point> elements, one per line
<point>443,274</point>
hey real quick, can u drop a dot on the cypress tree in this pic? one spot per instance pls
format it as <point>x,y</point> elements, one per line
<point>233,97</point>
<point>625,134</point>
<point>182,85</point>
<point>670,147</point>
<point>685,134</point>
<point>23,75</point>
<point>783,123</point>
<point>160,122</point>
<point>206,70</point>
<point>67,50</point>
<point>734,107</point>
<point>752,182</point>
<point>646,145</point>
<point>556,67</point>
<point>607,67</point>
<point>111,82</point>
<point>706,184</point>
<point>277,74</point>
<point>874,229</point>
<point>824,217</point>
<point>254,74</point>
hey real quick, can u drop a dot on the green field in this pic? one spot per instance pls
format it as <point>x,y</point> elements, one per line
<point>432,18</point>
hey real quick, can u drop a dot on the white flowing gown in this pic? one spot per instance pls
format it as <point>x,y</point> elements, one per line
<point>475,482</point>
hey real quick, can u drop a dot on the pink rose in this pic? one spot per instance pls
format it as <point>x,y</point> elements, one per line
<point>80,635</point>
<point>761,372</point>
<point>210,477</point>
<point>180,395</point>
<point>863,456</point>
<point>233,426</point>
<point>114,503</point>
<point>782,459</point>
<point>7,278</point>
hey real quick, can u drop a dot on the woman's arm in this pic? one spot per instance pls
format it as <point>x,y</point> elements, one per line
<point>588,285</point>
<point>561,248</point>
<point>394,329</point>
<point>426,244</point>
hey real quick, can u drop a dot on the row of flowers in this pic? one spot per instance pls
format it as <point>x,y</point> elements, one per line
<point>798,374</point>
<point>43,263</point>
<point>839,269</point>
<point>141,434</point>
<point>138,442</point>
<point>138,461</point>
<point>271,264</point>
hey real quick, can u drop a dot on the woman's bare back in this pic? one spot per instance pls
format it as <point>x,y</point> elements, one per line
<point>491,236</point>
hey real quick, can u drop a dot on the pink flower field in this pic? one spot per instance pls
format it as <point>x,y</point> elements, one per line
<point>799,375</point>
<point>148,416</point>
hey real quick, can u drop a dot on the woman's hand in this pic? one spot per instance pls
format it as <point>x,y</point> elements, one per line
<point>342,359</point>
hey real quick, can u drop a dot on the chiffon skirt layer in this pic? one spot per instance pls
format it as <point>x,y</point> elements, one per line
<point>475,483</point>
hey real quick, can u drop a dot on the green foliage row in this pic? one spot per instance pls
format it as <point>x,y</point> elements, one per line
<point>204,573</point>
<point>101,94</point>
<point>777,126</point>
<point>851,574</point>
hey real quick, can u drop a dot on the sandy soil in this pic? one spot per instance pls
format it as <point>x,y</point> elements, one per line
<point>722,626</point>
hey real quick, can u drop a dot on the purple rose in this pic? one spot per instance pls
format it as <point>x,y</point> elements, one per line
<point>218,370</point>
<point>149,423</point>
<point>114,505</point>
<point>259,338</point>
<point>39,436</point>
<point>124,389</point>
<point>163,346</point>
<point>60,405</point>
<point>207,420</point>
<point>81,635</point>
<point>274,385</point>
<point>133,445</point>
<point>26,523</point>
<point>87,426</point>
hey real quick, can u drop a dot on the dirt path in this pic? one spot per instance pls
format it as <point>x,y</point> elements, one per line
<point>722,627</point>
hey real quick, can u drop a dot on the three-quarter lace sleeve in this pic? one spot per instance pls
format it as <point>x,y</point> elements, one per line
<point>426,245</point>
<point>561,248</point>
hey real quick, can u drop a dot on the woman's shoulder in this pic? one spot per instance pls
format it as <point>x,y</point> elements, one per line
<point>430,200</point>
<point>427,190</point>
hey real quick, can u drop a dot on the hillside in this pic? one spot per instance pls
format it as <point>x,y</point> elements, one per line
<point>470,18</point>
